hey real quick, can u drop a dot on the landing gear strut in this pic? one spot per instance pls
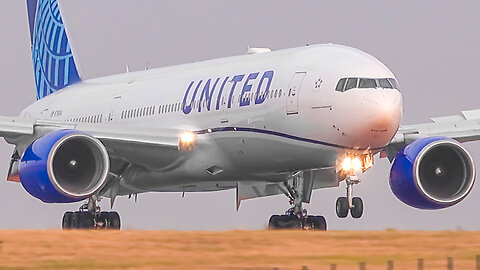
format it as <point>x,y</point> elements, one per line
<point>90,216</point>
<point>350,203</point>
<point>296,217</point>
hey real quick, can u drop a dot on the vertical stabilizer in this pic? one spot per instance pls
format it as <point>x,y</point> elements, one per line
<point>52,55</point>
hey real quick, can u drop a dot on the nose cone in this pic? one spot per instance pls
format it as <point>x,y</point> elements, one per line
<point>382,112</point>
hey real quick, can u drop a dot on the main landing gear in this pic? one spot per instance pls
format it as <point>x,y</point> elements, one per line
<point>351,204</point>
<point>296,217</point>
<point>292,221</point>
<point>90,216</point>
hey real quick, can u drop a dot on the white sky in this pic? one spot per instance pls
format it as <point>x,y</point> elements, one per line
<point>431,46</point>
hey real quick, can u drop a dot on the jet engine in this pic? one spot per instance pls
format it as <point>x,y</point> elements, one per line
<point>432,173</point>
<point>64,166</point>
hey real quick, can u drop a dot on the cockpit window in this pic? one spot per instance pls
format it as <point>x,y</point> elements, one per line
<point>341,84</point>
<point>351,83</point>
<point>394,83</point>
<point>367,83</point>
<point>346,84</point>
<point>385,83</point>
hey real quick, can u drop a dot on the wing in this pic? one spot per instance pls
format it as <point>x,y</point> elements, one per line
<point>464,127</point>
<point>121,143</point>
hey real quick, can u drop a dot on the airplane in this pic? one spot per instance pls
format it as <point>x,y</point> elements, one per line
<point>266,123</point>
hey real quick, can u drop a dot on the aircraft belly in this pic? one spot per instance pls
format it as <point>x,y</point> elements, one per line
<point>231,158</point>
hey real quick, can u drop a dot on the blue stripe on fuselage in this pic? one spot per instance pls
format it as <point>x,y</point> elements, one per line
<point>276,133</point>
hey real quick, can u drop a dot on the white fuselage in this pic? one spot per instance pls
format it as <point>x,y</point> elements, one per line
<point>296,121</point>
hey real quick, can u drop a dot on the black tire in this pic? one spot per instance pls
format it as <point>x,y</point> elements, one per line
<point>75,220</point>
<point>342,207</point>
<point>315,223</point>
<point>320,223</point>
<point>114,221</point>
<point>273,222</point>
<point>287,222</point>
<point>81,220</point>
<point>67,221</point>
<point>86,220</point>
<point>357,210</point>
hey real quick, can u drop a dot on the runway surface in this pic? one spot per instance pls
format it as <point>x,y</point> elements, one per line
<point>55,249</point>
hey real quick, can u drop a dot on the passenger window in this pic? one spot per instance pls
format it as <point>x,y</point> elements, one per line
<point>367,83</point>
<point>351,83</point>
<point>341,85</point>
<point>384,83</point>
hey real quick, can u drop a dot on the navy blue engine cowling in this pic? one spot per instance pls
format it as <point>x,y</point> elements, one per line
<point>432,173</point>
<point>64,166</point>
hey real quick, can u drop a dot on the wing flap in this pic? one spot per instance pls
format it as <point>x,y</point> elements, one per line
<point>16,126</point>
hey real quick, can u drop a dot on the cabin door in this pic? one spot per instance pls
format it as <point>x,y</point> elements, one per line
<point>293,92</point>
<point>115,114</point>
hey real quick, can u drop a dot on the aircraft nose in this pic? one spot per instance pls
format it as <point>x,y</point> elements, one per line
<point>383,104</point>
<point>382,112</point>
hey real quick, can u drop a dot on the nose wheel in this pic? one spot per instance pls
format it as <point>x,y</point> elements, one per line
<point>351,204</point>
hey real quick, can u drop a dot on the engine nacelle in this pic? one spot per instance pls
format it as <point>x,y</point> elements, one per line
<point>64,166</point>
<point>432,173</point>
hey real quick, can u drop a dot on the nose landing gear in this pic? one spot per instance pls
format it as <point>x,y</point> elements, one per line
<point>90,216</point>
<point>351,204</point>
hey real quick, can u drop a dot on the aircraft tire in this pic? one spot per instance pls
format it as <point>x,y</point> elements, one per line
<point>357,210</point>
<point>289,222</point>
<point>67,221</point>
<point>284,222</point>
<point>342,207</point>
<point>315,223</point>
<point>273,222</point>
<point>114,220</point>
<point>85,220</point>
<point>320,223</point>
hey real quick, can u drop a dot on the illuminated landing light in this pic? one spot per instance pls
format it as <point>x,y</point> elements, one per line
<point>209,130</point>
<point>347,164</point>
<point>187,141</point>
<point>352,164</point>
<point>357,164</point>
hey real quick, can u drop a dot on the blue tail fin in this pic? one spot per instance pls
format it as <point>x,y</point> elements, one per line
<point>53,61</point>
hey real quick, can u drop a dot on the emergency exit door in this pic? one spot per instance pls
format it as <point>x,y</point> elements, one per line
<point>293,92</point>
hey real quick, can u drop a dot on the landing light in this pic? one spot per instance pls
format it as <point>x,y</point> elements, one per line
<point>347,164</point>
<point>187,141</point>
<point>353,163</point>
<point>357,164</point>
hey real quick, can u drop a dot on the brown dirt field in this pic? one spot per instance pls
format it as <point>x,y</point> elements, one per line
<point>53,249</point>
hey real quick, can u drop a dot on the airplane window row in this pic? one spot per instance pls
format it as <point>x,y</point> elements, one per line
<point>346,84</point>
<point>87,119</point>
<point>272,94</point>
<point>175,107</point>
<point>138,112</point>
